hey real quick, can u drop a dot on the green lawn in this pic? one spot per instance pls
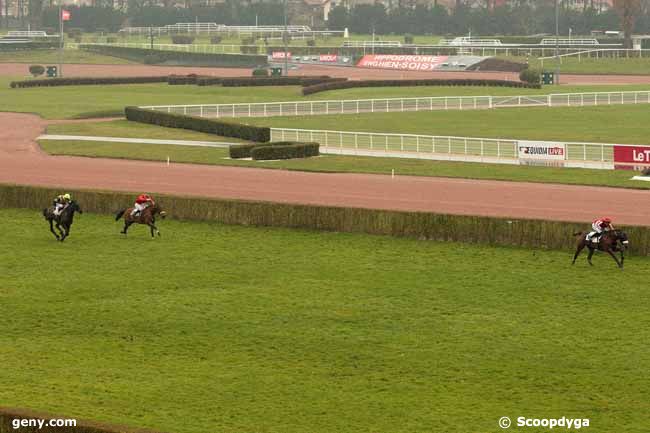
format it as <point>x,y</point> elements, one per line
<point>127,129</point>
<point>100,101</point>
<point>240,329</point>
<point>605,124</point>
<point>584,65</point>
<point>349,164</point>
<point>52,57</point>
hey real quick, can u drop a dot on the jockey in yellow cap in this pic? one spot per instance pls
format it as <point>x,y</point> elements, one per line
<point>60,203</point>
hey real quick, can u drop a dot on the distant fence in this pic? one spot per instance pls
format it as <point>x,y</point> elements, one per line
<point>490,150</point>
<point>313,108</point>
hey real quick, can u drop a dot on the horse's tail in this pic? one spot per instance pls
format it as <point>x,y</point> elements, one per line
<point>46,213</point>
<point>119,214</point>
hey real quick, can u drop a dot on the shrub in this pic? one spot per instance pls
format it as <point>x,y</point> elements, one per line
<point>237,151</point>
<point>260,72</point>
<point>86,81</point>
<point>216,39</point>
<point>211,126</point>
<point>337,85</point>
<point>409,39</point>
<point>285,151</point>
<point>153,59</point>
<point>531,76</point>
<point>111,40</point>
<point>182,79</point>
<point>311,42</point>
<point>36,70</point>
<point>182,39</point>
<point>178,57</point>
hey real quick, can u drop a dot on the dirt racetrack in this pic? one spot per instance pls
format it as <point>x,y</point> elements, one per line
<point>20,69</point>
<point>22,162</point>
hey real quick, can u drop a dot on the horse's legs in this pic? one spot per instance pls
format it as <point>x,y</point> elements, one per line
<point>65,231</point>
<point>611,253</point>
<point>61,233</point>
<point>127,224</point>
<point>591,254</point>
<point>579,249</point>
<point>52,229</point>
<point>153,227</point>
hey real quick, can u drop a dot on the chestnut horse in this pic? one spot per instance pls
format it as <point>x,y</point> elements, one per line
<point>610,242</point>
<point>147,216</point>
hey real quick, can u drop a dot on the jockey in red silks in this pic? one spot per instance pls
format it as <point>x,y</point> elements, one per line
<point>599,226</point>
<point>141,203</point>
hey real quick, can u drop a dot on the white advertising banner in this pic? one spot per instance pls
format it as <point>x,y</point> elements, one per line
<point>541,153</point>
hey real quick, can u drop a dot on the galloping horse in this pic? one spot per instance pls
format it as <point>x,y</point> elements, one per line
<point>147,216</point>
<point>63,221</point>
<point>610,242</point>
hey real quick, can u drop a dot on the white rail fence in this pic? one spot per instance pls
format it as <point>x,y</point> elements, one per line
<point>313,108</point>
<point>503,151</point>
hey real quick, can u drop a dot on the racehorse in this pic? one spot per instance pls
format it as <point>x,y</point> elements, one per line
<point>610,242</point>
<point>147,216</point>
<point>63,221</point>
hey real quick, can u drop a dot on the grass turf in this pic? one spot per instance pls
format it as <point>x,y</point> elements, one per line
<point>603,124</point>
<point>237,329</point>
<point>349,164</point>
<point>100,101</point>
<point>52,57</point>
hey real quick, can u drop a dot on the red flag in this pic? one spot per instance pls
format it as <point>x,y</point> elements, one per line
<point>65,15</point>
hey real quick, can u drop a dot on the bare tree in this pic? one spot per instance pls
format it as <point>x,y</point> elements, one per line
<point>627,10</point>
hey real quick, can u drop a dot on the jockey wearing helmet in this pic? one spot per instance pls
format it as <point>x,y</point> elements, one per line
<point>599,226</point>
<point>141,203</point>
<point>61,202</point>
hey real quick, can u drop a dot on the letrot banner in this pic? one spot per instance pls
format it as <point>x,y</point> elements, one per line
<point>402,62</point>
<point>632,154</point>
<point>541,153</point>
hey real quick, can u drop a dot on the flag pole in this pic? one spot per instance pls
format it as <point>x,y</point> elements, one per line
<point>61,38</point>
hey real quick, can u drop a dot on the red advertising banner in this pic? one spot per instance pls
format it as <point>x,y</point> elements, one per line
<point>328,58</point>
<point>632,154</point>
<point>279,55</point>
<point>65,15</point>
<point>402,62</point>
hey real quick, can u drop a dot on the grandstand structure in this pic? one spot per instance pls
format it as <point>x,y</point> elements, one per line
<point>214,28</point>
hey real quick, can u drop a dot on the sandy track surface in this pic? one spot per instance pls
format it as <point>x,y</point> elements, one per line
<point>20,69</point>
<point>22,162</point>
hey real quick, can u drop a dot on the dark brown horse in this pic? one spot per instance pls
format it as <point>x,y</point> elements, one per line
<point>63,221</point>
<point>611,242</point>
<point>147,217</point>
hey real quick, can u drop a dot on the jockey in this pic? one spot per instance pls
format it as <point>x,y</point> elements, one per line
<point>599,226</point>
<point>61,202</point>
<point>141,203</point>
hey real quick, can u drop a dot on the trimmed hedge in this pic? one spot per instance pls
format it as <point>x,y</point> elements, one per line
<point>285,151</point>
<point>419,225</point>
<point>532,76</point>
<point>265,81</point>
<point>20,46</point>
<point>9,414</point>
<point>237,151</point>
<point>211,126</point>
<point>86,81</point>
<point>180,58</point>
<point>183,79</point>
<point>338,85</point>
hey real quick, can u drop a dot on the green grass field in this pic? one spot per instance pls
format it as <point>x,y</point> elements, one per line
<point>236,329</point>
<point>610,124</point>
<point>52,57</point>
<point>349,164</point>
<point>100,101</point>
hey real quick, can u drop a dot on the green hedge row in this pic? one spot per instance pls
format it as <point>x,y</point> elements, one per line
<point>338,85</point>
<point>211,126</point>
<point>183,79</point>
<point>265,81</point>
<point>285,151</point>
<point>180,58</point>
<point>419,225</point>
<point>86,81</point>
<point>288,150</point>
<point>29,46</point>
